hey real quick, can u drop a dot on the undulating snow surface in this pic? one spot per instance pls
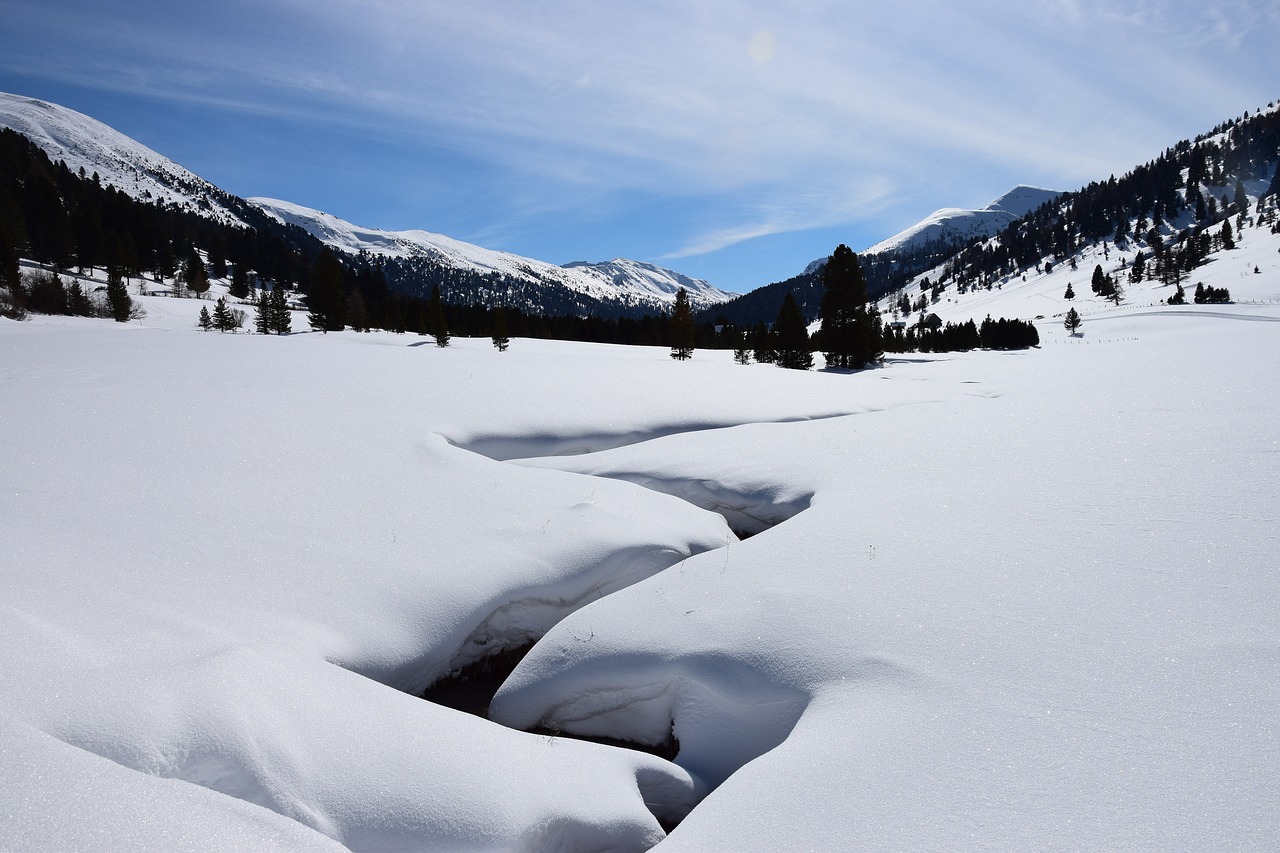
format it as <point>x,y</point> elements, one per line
<point>994,600</point>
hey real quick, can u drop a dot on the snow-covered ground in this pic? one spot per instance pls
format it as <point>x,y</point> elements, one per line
<point>994,601</point>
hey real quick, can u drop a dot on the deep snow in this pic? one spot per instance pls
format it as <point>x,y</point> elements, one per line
<point>999,600</point>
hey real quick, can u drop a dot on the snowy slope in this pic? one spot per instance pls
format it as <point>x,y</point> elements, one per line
<point>621,280</point>
<point>957,225</point>
<point>119,161</point>
<point>1251,272</point>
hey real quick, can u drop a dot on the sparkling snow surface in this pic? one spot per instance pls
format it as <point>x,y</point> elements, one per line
<point>994,601</point>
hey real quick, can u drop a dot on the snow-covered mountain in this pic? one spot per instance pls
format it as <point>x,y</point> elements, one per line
<point>118,160</point>
<point>632,283</point>
<point>951,225</point>
<point>956,225</point>
<point>616,286</point>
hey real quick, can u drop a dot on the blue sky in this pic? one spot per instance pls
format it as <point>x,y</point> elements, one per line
<point>733,141</point>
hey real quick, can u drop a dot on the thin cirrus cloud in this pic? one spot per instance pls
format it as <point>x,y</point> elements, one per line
<point>761,118</point>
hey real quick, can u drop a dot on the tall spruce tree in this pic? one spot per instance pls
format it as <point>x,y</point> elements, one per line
<point>439,325</point>
<point>262,321</point>
<point>792,337</point>
<point>325,296</point>
<point>222,318</point>
<point>194,275</point>
<point>279,318</point>
<point>1073,321</point>
<point>118,301</point>
<point>500,338</point>
<point>680,327</point>
<point>848,337</point>
<point>239,282</point>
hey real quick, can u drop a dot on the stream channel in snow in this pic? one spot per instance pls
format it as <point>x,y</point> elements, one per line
<point>507,635</point>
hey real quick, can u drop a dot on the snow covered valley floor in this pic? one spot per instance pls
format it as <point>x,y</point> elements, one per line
<point>997,601</point>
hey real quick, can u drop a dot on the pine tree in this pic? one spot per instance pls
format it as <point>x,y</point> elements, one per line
<point>500,339</point>
<point>762,344</point>
<point>1228,239</point>
<point>206,322</point>
<point>118,300</point>
<point>741,353</point>
<point>78,304</point>
<point>262,320</point>
<point>792,336</point>
<point>221,315</point>
<point>680,327</point>
<point>1070,294</point>
<point>850,334</point>
<point>325,296</point>
<point>1114,291</point>
<point>239,282</point>
<point>1139,265</point>
<point>439,326</point>
<point>194,275</point>
<point>278,311</point>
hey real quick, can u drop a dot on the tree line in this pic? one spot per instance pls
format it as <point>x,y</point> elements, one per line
<point>852,335</point>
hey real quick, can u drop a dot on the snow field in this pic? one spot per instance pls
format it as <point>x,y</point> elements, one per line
<point>996,600</point>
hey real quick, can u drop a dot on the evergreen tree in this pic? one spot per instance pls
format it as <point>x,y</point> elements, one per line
<point>741,354</point>
<point>680,327</point>
<point>1178,298</point>
<point>1228,239</point>
<point>850,333</point>
<point>325,296</point>
<point>221,315</point>
<point>239,282</point>
<point>1073,321</point>
<point>263,322</point>
<point>281,320</point>
<point>121,306</point>
<point>206,322</point>
<point>1139,265</point>
<point>357,314</point>
<point>10,269</point>
<point>439,326</point>
<point>78,304</point>
<point>1114,291</point>
<point>792,336</point>
<point>1070,294</point>
<point>1098,283</point>
<point>762,344</point>
<point>194,275</point>
<point>500,338</point>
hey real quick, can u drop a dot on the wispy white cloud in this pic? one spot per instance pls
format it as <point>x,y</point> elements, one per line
<point>571,102</point>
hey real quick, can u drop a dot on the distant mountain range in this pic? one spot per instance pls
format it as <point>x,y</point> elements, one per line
<point>414,261</point>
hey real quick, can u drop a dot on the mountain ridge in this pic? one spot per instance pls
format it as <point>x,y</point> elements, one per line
<point>420,258</point>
